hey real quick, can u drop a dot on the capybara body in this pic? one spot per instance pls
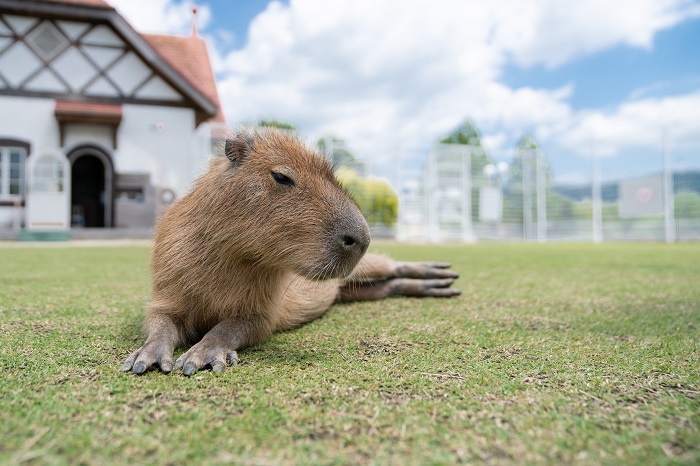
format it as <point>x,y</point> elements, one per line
<point>266,240</point>
<point>268,219</point>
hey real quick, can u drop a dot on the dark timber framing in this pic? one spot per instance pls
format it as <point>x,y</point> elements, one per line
<point>134,42</point>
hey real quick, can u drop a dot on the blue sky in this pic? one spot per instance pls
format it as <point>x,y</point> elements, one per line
<point>610,77</point>
<point>236,15</point>
<point>581,77</point>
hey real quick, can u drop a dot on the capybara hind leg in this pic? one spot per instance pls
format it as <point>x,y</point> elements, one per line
<point>158,350</point>
<point>436,287</point>
<point>218,347</point>
<point>368,291</point>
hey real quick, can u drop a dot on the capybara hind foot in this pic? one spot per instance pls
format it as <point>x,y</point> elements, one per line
<point>437,287</point>
<point>205,354</point>
<point>152,353</point>
<point>424,270</point>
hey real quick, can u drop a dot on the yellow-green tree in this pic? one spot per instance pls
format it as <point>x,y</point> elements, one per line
<point>377,201</point>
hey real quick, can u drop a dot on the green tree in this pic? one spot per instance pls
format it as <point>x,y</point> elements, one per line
<point>467,134</point>
<point>377,201</point>
<point>277,124</point>
<point>523,176</point>
<point>522,170</point>
<point>525,160</point>
<point>687,205</point>
<point>339,154</point>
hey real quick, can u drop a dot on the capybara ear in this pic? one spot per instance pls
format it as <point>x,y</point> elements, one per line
<point>238,148</point>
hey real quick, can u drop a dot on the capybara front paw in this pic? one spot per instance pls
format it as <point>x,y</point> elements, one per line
<point>202,355</point>
<point>154,353</point>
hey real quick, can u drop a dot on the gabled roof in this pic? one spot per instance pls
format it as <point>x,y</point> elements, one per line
<point>90,3</point>
<point>182,61</point>
<point>190,57</point>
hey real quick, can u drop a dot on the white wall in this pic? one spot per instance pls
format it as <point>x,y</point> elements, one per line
<point>157,140</point>
<point>31,120</point>
<point>160,141</point>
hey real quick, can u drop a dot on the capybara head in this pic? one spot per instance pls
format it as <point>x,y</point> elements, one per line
<point>286,206</point>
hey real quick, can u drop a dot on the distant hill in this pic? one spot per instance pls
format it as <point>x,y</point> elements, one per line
<point>683,181</point>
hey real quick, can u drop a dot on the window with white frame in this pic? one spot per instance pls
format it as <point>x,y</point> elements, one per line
<point>48,175</point>
<point>12,161</point>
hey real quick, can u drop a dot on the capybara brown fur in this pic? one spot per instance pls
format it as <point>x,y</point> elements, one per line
<point>266,240</point>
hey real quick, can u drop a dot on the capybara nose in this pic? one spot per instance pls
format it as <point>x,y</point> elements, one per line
<point>352,234</point>
<point>355,242</point>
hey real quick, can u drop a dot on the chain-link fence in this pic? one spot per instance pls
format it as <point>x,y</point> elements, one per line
<point>458,193</point>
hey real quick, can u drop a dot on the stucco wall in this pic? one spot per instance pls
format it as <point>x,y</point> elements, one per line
<point>158,141</point>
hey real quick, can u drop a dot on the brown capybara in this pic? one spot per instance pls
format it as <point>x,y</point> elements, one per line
<point>266,240</point>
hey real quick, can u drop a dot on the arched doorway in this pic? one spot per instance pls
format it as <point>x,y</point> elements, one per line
<point>91,188</point>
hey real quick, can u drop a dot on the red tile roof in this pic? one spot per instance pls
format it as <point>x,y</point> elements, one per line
<point>88,3</point>
<point>189,56</point>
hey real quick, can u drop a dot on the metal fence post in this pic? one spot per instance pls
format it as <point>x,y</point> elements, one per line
<point>431,204</point>
<point>670,219</point>
<point>467,228</point>
<point>541,181</point>
<point>596,198</point>
<point>527,195</point>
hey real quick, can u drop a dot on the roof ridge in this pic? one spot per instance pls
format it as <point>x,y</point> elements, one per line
<point>86,3</point>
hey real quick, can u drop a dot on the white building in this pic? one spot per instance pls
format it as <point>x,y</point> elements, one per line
<point>100,126</point>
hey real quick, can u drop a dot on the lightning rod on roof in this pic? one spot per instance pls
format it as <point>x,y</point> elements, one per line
<point>194,21</point>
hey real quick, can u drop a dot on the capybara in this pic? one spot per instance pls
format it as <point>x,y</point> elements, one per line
<point>266,240</point>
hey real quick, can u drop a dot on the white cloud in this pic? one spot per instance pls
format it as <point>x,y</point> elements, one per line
<point>381,72</point>
<point>635,124</point>
<point>376,72</point>
<point>552,32</point>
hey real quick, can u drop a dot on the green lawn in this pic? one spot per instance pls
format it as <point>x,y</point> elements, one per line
<point>553,354</point>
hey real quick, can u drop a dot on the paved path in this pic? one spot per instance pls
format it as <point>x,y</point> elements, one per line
<point>76,243</point>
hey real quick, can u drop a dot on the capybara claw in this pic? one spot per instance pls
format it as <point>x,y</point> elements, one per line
<point>139,367</point>
<point>190,368</point>
<point>153,353</point>
<point>200,356</point>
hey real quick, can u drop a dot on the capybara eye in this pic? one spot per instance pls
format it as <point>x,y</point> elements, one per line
<point>282,179</point>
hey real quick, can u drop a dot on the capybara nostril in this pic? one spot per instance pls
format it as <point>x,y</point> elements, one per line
<point>354,242</point>
<point>348,241</point>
